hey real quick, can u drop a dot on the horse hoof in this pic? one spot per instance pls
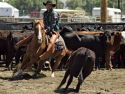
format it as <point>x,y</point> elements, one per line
<point>15,78</point>
<point>52,75</point>
<point>34,75</point>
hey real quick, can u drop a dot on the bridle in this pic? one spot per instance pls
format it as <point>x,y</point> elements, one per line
<point>38,32</point>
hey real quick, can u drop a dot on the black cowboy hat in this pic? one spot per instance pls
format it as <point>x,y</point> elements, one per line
<point>49,2</point>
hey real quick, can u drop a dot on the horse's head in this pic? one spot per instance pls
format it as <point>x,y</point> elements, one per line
<point>39,30</point>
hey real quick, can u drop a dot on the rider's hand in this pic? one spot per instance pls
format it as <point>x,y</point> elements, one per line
<point>48,29</point>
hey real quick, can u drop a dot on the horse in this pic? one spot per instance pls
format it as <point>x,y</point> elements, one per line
<point>80,65</point>
<point>36,46</point>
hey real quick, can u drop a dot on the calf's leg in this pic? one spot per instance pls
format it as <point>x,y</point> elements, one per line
<point>69,82</point>
<point>107,59</point>
<point>40,65</point>
<point>86,71</point>
<point>64,79</point>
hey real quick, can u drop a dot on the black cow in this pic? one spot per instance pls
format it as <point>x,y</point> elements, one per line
<point>97,42</point>
<point>3,42</point>
<point>13,51</point>
<point>81,64</point>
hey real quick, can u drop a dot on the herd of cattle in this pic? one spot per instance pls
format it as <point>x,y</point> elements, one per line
<point>102,43</point>
<point>87,47</point>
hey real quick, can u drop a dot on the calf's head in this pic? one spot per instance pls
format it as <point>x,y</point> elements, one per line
<point>107,36</point>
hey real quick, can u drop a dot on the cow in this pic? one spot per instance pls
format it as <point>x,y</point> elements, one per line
<point>113,46</point>
<point>3,43</point>
<point>13,50</point>
<point>115,42</point>
<point>81,64</point>
<point>120,56</point>
<point>97,42</point>
<point>116,59</point>
<point>95,28</point>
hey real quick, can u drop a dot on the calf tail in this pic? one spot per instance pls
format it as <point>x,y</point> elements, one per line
<point>87,59</point>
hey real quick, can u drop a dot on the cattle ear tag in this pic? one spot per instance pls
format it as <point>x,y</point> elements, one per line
<point>112,34</point>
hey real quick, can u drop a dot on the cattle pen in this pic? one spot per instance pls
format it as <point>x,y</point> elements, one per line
<point>17,26</point>
<point>99,82</point>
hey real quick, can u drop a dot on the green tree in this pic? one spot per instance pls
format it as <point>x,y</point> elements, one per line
<point>88,5</point>
<point>73,4</point>
<point>26,6</point>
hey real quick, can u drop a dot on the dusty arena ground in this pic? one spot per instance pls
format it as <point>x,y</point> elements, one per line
<point>99,82</point>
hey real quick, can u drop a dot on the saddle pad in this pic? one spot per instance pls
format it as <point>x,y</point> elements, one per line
<point>59,45</point>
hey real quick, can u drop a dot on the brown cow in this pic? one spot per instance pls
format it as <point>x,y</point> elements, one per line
<point>115,42</point>
<point>81,64</point>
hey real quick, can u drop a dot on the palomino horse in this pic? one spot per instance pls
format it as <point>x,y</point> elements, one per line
<point>36,46</point>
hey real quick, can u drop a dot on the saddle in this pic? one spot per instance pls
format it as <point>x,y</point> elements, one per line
<point>59,44</point>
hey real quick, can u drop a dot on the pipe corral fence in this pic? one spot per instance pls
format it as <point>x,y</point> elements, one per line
<point>75,26</point>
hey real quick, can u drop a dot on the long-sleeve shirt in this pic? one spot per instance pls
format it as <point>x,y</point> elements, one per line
<point>51,20</point>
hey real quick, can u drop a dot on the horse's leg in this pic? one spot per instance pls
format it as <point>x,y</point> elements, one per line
<point>48,52</point>
<point>25,65</point>
<point>32,61</point>
<point>64,79</point>
<point>40,64</point>
<point>57,63</point>
<point>24,62</point>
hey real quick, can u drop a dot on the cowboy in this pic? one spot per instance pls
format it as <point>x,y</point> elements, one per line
<point>51,23</point>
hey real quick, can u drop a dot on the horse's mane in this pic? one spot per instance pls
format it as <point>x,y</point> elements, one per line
<point>39,22</point>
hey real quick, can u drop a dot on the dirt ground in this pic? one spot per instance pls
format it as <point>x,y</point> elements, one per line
<point>98,82</point>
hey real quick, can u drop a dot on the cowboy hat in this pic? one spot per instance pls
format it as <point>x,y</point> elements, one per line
<point>49,2</point>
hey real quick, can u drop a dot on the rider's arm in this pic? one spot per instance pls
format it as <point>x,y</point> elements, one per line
<point>53,22</point>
